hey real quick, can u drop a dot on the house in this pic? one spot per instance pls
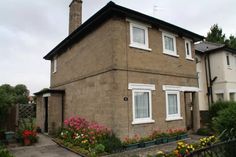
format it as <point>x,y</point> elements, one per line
<point>216,68</point>
<point>123,69</point>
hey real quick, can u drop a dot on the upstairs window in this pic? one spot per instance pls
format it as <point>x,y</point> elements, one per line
<point>188,50</point>
<point>227,60</point>
<point>169,44</point>
<point>54,64</point>
<point>139,36</point>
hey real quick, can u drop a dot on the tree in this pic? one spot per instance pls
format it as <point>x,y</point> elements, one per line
<point>216,35</point>
<point>9,96</point>
<point>231,42</point>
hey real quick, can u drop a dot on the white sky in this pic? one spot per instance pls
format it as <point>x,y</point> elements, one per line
<point>29,29</point>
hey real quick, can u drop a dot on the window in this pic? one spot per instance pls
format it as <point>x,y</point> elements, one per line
<point>188,50</point>
<point>54,62</point>
<point>220,96</point>
<point>173,105</point>
<point>139,36</point>
<point>142,103</point>
<point>232,96</point>
<point>227,59</point>
<point>235,61</point>
<point>169,44</point>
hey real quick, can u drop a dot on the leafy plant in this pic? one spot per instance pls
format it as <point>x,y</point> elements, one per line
<point>4,152</point>
<point>99,149</point>
<point>215,108</point>
<point>226,120</point>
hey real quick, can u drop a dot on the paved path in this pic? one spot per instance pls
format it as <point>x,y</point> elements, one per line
<point>44,148</point>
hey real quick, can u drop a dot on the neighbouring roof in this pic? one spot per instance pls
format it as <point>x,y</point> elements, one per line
<point>108,11</point>
<point>208,47</point>
<point>54,91</point>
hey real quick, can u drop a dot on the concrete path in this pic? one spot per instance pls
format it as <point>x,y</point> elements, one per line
<point>44,148</point>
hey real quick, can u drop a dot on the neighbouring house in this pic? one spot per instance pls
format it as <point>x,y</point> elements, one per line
<point>216,68</point>
<point>126,70</point>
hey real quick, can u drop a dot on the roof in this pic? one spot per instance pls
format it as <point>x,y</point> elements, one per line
<point>108,11</point>
<point>209,47</point>
<point>55,91</point>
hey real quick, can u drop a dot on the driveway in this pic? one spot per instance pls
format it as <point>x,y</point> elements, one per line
<point>44,148</point>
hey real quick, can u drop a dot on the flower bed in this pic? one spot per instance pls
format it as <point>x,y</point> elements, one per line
<point>156,137</point>
<point>183,149</point>
<point>89,138</point>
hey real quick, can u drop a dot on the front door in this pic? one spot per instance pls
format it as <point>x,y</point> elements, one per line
<point>188,110</point>
<point>46,114</point>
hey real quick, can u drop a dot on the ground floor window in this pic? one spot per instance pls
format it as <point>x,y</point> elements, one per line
<point>232,96</point>
<point>142,102</point>
<point>173,105</point>
<point>220,96</point>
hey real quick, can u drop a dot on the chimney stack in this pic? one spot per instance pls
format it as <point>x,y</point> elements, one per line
<point>75,18</point>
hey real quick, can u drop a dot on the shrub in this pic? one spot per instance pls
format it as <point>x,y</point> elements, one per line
<point>4,152</point>
<point>99,149</point>
<point>219,106</point>
<point>226,120</point>
<point>204,132</point>
<point>111,143</point>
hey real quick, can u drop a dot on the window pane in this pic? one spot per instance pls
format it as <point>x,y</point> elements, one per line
<point>138,35</point>
<point>141,105</point>
<point>220,97</point>
<point>169,43</point>
<point>227,58</point>
<point>187,48</point>
<point>231,95</point>
<point>172,104</point>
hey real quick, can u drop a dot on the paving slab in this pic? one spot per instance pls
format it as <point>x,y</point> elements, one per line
<point>44,148</point>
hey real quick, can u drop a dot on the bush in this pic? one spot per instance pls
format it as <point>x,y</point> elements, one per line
<point>226,120</point>
<point>204,132</point>
<point>4,152</point>
<point>111,143</point>
<point>99,149</point>
<point>219,106</point>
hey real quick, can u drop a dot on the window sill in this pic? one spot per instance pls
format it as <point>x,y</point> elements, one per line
<point>171,54</point>
<point>188,58</point>
<point>173,118</point>
<point>140,47</point>
<point>143,122</point>
<point>229,67</point>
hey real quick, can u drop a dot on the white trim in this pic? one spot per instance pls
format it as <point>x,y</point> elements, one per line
<point>180,88</point>
<point>142,120</point>
<point>141,86</point>
<point>144,27</point>
<point>232,90</point>
<point>170,117</point>
<point>46,95</point>
<point>189,57</point>
<point>139,23</point>
<point>54,65</point>
<point>169,52</point>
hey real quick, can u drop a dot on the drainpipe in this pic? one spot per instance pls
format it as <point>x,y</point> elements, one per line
<point>208,92</point>
<point>210,78</point>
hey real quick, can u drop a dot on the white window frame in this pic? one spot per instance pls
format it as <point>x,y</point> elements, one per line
<point>54,65</point>
<point>171,117</point>
<point>135,44</point>
<point>188,56</point>
<point>228,60</point>
<point>142,88</point>
<point>166,51</point>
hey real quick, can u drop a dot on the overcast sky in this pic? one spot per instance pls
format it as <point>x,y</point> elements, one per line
<point>29,29</point>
